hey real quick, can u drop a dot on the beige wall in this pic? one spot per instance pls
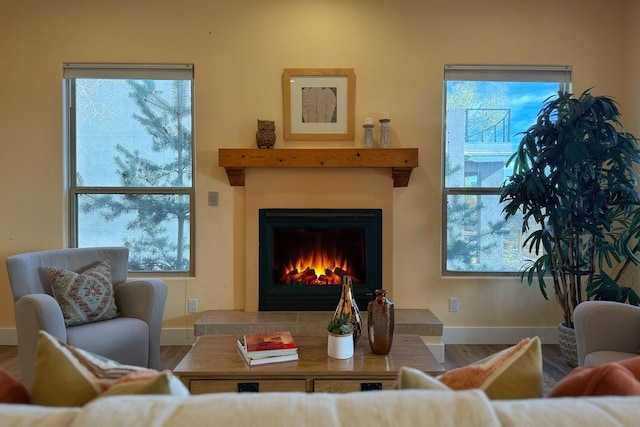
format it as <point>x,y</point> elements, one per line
<point>239,49</point>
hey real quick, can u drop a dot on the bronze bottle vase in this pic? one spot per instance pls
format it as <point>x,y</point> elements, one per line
<point>348,304</point>
<point>380,323</point>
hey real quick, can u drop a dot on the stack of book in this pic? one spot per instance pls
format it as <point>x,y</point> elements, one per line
<point>268,347</point>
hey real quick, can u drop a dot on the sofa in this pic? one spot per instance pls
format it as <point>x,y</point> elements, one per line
<point>380,408</point>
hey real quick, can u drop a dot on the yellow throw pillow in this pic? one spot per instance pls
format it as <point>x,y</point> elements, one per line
<point>152,382</point>
<point>68,376</point>
<point>513,373</point>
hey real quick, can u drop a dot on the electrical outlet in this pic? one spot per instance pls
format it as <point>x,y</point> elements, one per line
<point>453,305</point>
<point>193,306</point>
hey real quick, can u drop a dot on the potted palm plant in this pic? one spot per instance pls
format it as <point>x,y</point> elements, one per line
<point>574,184</point>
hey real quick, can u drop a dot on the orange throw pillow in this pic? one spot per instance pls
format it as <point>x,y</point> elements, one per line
<point>610,379</point>
<point>12,390</point>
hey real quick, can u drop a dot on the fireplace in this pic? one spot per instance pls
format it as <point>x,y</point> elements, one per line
<point>304,254</point>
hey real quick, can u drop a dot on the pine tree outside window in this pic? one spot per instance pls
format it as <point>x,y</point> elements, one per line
<point>130,155</point>
<point>485,110</point>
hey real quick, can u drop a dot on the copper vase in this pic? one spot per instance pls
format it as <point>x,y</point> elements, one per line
<point>380,323</point>
<point>348,304</point>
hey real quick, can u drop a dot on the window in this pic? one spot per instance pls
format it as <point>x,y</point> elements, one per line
<point>130,175</point>
<point>486,109</point>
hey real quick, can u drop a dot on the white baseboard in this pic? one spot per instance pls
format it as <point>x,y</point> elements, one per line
<point>480,335</point>
<point>435,346</point>
<point>8,336</point>
<point>182,336</point>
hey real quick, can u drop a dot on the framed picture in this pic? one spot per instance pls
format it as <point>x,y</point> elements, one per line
<point>319,103</point>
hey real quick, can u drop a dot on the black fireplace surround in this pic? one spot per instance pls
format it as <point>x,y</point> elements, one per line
<point>304,253</point>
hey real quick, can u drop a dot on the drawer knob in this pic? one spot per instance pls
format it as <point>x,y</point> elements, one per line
<point>370,386</point>
<point>248,387</point>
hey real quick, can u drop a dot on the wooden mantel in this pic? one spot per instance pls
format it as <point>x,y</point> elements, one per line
<point>401,161</point>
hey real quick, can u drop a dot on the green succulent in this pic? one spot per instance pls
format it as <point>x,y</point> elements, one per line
<point>340,325</point>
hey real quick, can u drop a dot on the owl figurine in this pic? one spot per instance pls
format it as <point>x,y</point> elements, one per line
<point>266,135</point>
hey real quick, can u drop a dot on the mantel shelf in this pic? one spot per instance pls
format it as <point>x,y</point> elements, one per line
<point>401,161</point>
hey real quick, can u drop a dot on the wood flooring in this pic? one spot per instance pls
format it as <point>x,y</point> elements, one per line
<point>456,355</point>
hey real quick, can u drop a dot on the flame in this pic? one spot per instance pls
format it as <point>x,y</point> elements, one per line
<point>316,267</point>
<point>319,261</point>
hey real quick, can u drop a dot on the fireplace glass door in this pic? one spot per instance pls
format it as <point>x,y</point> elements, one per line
<point>305,253</point>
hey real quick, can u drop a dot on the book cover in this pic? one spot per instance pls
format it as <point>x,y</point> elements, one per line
<point>270,344</point>
<point>265,359</point>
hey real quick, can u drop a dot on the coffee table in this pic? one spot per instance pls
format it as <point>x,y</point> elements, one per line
<point>214,365</point>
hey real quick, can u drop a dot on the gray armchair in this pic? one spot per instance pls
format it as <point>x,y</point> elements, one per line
<point>606,331</point>
<point>133,338</point>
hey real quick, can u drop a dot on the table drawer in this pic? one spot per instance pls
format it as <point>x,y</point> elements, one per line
<point>346,386</point>
<point>248,385</point>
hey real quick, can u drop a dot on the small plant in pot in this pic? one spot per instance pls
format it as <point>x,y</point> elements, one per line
<point>574,184</point>
<point>340,341</point>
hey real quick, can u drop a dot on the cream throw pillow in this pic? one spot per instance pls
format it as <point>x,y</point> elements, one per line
<point>513,373</point>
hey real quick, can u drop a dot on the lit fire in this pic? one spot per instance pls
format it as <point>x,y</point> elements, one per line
<point>316,268</point>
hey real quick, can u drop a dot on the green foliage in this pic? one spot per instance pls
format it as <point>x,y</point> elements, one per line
<point>574,177</point>
<point>463,250</point>
<point>163,117</point>
<point>340,325</point>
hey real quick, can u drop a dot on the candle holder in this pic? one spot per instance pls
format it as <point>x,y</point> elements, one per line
<point>368,135</point>
<point>384,133</point>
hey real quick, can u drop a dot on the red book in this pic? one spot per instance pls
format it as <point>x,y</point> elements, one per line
<point>254,361</point>
<point>263,344</point>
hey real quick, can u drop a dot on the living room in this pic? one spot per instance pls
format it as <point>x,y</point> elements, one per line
<point>398,51</point>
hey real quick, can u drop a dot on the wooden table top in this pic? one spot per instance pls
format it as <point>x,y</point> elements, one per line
<point>217,356</point>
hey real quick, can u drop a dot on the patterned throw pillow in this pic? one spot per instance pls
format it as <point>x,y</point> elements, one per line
<point>84,297</point>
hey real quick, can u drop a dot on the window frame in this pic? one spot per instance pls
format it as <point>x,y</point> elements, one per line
<point>485,73</point>
<point>72,71</point>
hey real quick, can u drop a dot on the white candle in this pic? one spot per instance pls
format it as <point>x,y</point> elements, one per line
<point>384,116</point>
<point>368,120</point>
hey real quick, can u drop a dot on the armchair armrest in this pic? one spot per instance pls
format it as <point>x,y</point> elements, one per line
<point>144,299</point>
<point>606,326</point>
<point>33,313</point>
